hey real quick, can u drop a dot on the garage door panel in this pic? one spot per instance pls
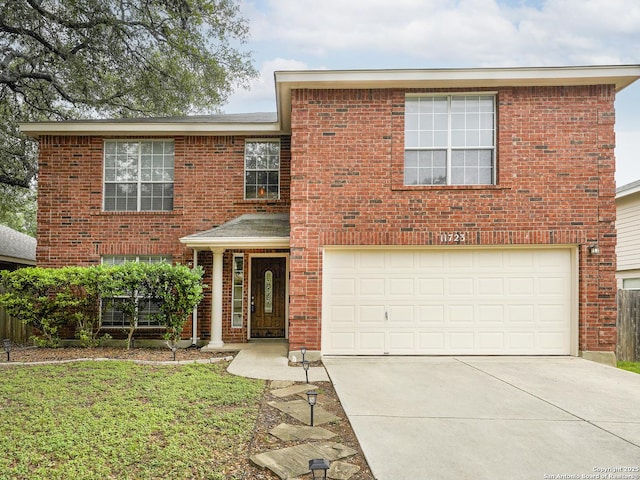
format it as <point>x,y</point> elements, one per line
<point>401,287</point>
<point>372,341</point>
<point>431,287</point>
<point>372,286</point>
<point>447,301</point>
<point>491,286</point>
<point>401,342</point>
<point>343,314</point>
<point>430,314</point>
<point>491,314</point>
<point>460,286</point>
<point>345,287</point>
<point>371,314</point>
<point>489,342</point>
<point>401,315</point>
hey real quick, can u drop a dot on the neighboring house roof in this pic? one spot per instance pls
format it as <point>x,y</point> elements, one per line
<point>621,76</point>
<point>628,189</point>
<point>16,247</point>
<point>259,229</point>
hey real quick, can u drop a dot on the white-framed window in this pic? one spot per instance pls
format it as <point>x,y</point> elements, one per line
<point>631,283</point>
<point>138,175</point>
<point>450,140</point>
<point>237,300</point>
<point>262,169</point>
<point>114,317</point>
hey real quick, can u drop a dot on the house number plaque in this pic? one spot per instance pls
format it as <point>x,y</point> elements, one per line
<point>455,237</point>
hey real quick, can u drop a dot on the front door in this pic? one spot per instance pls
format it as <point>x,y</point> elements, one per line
<point>268,291</point>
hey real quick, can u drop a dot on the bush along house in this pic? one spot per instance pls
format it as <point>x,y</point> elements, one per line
<point>461,211</point>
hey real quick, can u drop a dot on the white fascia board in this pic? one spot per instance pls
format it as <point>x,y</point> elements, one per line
<point>629,192</point>
<point>201,243</point>
<point>620,76</point>
<point>147,128</point>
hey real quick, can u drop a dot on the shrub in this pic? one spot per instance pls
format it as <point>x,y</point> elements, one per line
<point>48,298</point>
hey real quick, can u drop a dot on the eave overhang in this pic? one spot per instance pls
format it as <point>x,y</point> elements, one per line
<point>207,243</point>
<point>620,76</point>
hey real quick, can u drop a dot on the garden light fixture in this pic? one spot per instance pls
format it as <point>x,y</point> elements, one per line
<point>305,365</point>
<point>303,351</point>
<point>319,465</point>
<point>312,397</point>
<point>7,348</point>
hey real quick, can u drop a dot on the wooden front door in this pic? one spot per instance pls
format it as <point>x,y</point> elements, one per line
<point>268,291</point>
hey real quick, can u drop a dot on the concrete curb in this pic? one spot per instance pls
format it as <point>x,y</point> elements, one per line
<point>139,362</point>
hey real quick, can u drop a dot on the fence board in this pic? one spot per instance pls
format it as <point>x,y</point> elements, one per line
<point>628,348</point>
<point>13,329</point>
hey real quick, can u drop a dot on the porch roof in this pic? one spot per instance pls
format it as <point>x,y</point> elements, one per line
<point>254,230</point>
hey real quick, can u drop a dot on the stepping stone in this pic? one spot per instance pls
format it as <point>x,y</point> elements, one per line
<point>288,433</point>
<point>300,410</point>
<point>281,383</point>
<point>293,390</point>
<point>342,470</point>
<point>292,462</point>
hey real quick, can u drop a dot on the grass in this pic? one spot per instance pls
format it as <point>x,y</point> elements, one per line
<point>120,420</point>
<point>631,366</point>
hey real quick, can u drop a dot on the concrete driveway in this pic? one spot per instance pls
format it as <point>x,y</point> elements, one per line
<point>491,418</point>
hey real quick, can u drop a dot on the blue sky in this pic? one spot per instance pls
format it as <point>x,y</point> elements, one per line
<point>357,34</point>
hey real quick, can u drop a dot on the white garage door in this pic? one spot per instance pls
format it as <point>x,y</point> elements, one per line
<point>447,301</point>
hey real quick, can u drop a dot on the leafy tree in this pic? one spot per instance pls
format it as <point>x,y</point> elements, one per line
<point>18,208</point>
<point>62,59</point>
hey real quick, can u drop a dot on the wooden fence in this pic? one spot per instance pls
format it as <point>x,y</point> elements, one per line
<point>628,325</point>
<point>13,329</point>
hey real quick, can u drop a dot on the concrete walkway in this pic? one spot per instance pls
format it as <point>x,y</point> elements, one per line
<point>268,361</point>
<point>491,418</point>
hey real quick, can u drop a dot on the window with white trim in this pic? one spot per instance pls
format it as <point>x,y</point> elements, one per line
<point>138,175</point>
<point>450,140</point>
<point>262,169</point>
<point>631,283</point>
<point>114,317</point>
<point>238,290</point>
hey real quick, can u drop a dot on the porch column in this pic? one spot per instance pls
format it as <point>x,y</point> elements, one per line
<point>216,300</point>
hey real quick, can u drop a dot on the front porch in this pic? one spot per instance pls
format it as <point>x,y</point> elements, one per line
<point>246,264</point>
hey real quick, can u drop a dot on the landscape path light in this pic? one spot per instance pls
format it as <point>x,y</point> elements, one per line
<point>305,365</point>
<point>7,348</point>
<point>303,351</point>
<point>319,465</point>
<point>312,397</point>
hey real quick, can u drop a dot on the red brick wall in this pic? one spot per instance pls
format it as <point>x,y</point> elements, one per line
<point>555,186</point>
<point>208,191</point>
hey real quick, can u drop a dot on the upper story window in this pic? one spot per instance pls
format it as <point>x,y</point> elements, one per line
<point>450,140</point>
<point>138,175</point>
<point>262,169</point>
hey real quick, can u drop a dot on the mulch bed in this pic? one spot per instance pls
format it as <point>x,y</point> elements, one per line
<point>268,417</point>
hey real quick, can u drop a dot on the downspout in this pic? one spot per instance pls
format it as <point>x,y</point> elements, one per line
<point>194,315</point>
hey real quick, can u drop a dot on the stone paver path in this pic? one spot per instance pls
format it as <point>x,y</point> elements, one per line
<point>300,410</point>
<point>293,390</point>
<point>289,433</point>
<point>342,470</point>
<point>291,462</point>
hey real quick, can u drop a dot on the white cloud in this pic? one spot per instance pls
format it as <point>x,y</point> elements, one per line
<point>458,32</point>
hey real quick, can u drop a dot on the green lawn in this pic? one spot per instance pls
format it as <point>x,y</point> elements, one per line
<point>631,366</point>
<point>120,420</point>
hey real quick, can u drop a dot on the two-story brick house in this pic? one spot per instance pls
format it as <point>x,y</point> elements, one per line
<point>392,212</point>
